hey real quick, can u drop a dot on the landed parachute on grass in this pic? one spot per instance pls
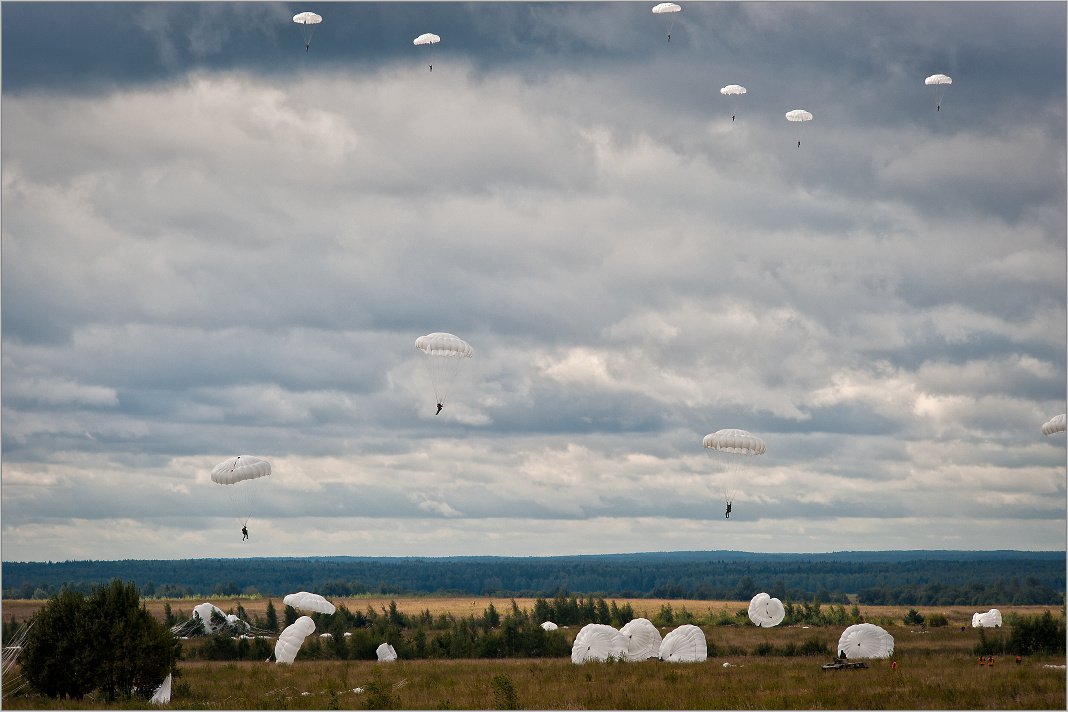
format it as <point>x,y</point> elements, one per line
<point>307,22</point>
<point>765,611</point>
<point>386,653</point>
<point>598,642</point>
<point>666,11</point>
<point>162,695</point>
<point>734,451</point>
<point>643,639</point>
<point>309,602</point>
<point>445,354</point>
<point>939,82</point>
<point>1056,424</point>
<point>865,640</point>
<point>290,639</point>
<point>242,477</point>
<point>685,644</point>
<point>549,625</point>
<point>990,619</point>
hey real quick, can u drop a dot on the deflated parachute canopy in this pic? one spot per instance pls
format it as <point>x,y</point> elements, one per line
<point>685,644</point>
<point>765,611</point>
<point>643,640</point>
<point>549,625</point>
<point>990,619</point>
<point>386,653</point>
<point>1055,424</point>
<point>309,602</point>
<point>290,640</point>
<point>866,640</point>
<point>598,642</point>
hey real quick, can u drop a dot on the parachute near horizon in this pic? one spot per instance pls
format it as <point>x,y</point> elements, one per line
<point>445,355</point>
<point>307,22</point>
<point>309,602</point>
<point>734,451</point>
<point>865,640</point>
<point>290,639</point>
<point>643,640</point>
<point>243,477</point>
<point>765,611</point>
<point>666,12</point>
<point>685,644</point>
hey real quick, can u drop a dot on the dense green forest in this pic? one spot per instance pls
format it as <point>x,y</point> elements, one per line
<point>937,577</point>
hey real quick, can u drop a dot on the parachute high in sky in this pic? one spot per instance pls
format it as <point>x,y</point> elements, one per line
<point>242,477</point>
<point>865,640</point>
<point>1056,424</point>
<point>667,11</point>
<point>290,639</point>
<point>765,611</point>
<point>733,91</point>
<point>734,450</point>
<point>307,22</point>
<point>445,354</point>
<point>685,644</point>
<point>939,82</point>
<point>598,642</point>
<point>309,602</point>
<point>428,39</point>
<point>643,640</point>
<point>799,117</point>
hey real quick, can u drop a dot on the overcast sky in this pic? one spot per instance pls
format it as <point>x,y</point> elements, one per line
<point>217,243</point>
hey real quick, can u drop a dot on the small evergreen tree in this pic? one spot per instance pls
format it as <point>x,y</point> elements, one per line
<point>272,617</point>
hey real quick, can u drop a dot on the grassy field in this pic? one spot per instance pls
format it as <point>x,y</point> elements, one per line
<point>935,669</point>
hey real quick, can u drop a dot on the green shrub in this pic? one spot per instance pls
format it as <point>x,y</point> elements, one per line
<point>937,620</point>
<point>913,617</point>
<point>504,696</point>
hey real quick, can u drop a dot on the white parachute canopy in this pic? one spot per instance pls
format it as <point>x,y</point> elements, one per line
<point>643,640</point>
<point>290,639</point>
<point>685,644</point>
<point>445,354</point>
<point>765,611</point>
<point>734,451</point>
<point>598,642</point>
<point>162,695</point>
<point>733,91</point>
<point>990,619</point>
<point>204,611</point>
<point>1056,424</point>
<point>242,477</point>
<point>309,602</point>
<point>865,640</point>
<point>666,12</point>
<point>939,82</point>
<point>429,39</point>
<point>549,625</point>
<point>386,653</point>
<point>307,22</point>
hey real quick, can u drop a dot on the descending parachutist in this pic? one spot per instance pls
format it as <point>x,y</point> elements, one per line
<point>244,532</point>
<point>728,516</point>
<point>440,406</point>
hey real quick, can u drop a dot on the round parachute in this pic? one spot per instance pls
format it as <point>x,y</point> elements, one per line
<point>733,91</point>
<point>445,355</point>
<point>990,619</point>
<point>307,22</point>
<point>799,117</point>
<point>1055,424</point>
<point>309,602</point>
<point>386,653</point>
<point>865,640</point>
<point>734,450</point>
<point>429,39</point>
<point>765,611</point>
<point>643,640</point>
<point>666,12</point>
<point>598,642</point>
<point>685,644</point>
<point>940,82</point>
<point>242,477</point>
<point>290,639</point>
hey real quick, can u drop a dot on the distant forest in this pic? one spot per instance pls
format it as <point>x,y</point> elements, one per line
<point>931,578</point>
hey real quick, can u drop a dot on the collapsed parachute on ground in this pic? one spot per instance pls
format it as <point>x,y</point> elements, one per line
<point>386,653</point>
<point>549,625</point>
<point>445,354</point>
<point>307,22</point>
<point>1056,424</point>
<point>290,639</point>
<point>309,602</point>
<point>242,477</point>
<point>685,644</point>
<point>429,39</point>
<point>939,82</point>
<point>643,639</point>
<point>597,642</point>
<point>734,451</point>
<point>765,611</point>
<point>865,640</point>
<point>162,695</point>
<point>204,612</point>
<point>666,11</point>
<point>990,619</point>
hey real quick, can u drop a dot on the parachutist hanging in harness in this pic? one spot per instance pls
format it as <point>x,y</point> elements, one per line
<point>244,532</point>
<point>728,515</point>
<point>440,406</point>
